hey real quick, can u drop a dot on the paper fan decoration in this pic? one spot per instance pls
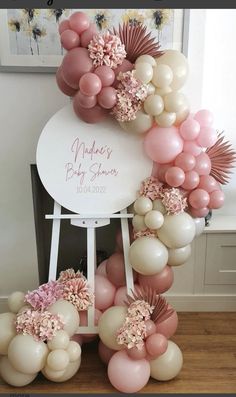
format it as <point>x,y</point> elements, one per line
<point>137,41</point>
<point>222,157</point>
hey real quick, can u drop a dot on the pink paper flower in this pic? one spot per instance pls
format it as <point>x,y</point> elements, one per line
<point>145,233</point>
<point>106,49</point>
<point>77,292</point>
<point>151,188</point>
<point>44,296</point>
<point>174,201</point>
<point>70,274</point>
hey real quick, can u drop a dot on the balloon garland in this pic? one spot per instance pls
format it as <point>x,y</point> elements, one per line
<point>124,74</point>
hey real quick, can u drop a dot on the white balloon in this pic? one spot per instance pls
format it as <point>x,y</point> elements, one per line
<point>178,64</point>
<point>162,75</point>
<point>69,314</point>
<point>147,59</point>
<point>138,223</point>
<point>142,205</point>
<point>151,89</point>
<point>7,331</point>
<point>159,206</point>
<point>16,301</point>
<point>163,91</point>
<point>148,255</point>
<point>108,325</point>
<point>62,376</point>
<point>199,225</point>
<point>178,256</point>
<point>60,341</point>
<point>74,351</point>
<point>13,377</point>
<point>168,365</point>
<point>175,102</point>
<point>154,219</point>
<point>144,72</point>
<point>182,115</point>
<point>177,230</point>
<point>165,119</point>
<point>58,360</point>
<point>52,375</point>
<point>142,123</point>
<point>154,105</point>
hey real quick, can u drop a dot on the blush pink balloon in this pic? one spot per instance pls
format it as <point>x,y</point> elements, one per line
<point>121,295</point>
<point>63,86</point>
<point>191,180</point>
<point>199,213</point>
<point>69,39</point>
<point>169,326</point>
<point>105,353</point>
<point>102,269</point>
<point>204,117</point>
<point>199,198</point>
<point>85,101</point>
<point>64,25</point>
<point>116,269</point>
<point>203,164</point>
<point>185,161</point>
<point>161,171</point>
<point>128,375</point>
<point>156,344</point>
<point>192,148</point>
<point>207,137</point>
<point>137,354</point>
<point>91,116</point>
<point>79,22</point>
<point>150,327</point>
<point>160,282</point>
<point>175,176</point>
<point>87,35</point>
<point>107,97</point>
<point>106,75</point>
<point>104,293</point>
<point>75,64</point>
<point>217,199</point>
<point>163,144</point>
<point>208,183</point>
<point>189,129</point>
<point>90,84</point>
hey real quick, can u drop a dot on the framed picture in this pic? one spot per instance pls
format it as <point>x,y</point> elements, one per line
<point>29,39</point>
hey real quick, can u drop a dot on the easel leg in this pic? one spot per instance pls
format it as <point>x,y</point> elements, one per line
<point>126,245</point>
<point>91,265</point>
<point>54,243</point>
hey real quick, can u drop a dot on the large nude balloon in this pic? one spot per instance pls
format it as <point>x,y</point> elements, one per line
<point>69,314</point>
<point>109,323</point>
<point>13,377</point>
<point>142,123</point>
<point>168,365</point>
<point>7,331</point>
<point>16,301</point>
<point>177,230</point>
<point>178,64</point>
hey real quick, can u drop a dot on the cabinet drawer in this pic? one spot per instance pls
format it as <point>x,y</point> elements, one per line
<point>220,258</point>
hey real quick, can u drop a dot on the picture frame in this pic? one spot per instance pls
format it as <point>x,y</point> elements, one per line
<point>30,42</point>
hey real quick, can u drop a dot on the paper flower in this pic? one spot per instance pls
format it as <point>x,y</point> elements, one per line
<point>77,292</point>
<point>69,274</point>
<point>44,296</point>
<point>145,233</point>
<point>174,201</point>
<point>151,188</point>
<point>106,49</point>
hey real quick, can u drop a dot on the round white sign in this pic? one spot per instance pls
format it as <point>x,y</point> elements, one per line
<point>90,168</point>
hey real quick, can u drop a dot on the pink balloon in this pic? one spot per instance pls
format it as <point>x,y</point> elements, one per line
<point>192,148</point>
<point>104,293</point>
<point>169,326</point>
<point>64,25</point>
<point>107,97</point>
<point>175,176</point>
<point>126,66</point>
<point>208,183</point>
<point>191,180</point>
<point>137,354</point>
<point>116,269</point>
<point>121,295</point>
<point>161,171</point>
<point>106,75</point>
<point>204,117</point>
<point>203,164</point>
<point>163,144</point>
<point>207,137</point>
<point>90,84</point>
<point>105,353</point>
<point>199,213</point>
<point>79,22</point>
<point>63,86</point>
<point>87,35</point>
<point>199,198</point>
<point>150,327</point>
<point>92,116</point>
<point>85,101</point>
<point>156,344</point>
<point>128,375</point>
<point>216,199</point>
<point>185,161</point>
<point>69,39</point>
<point>75,64</point>
<point>101,269</point>
<point>160,282</point>
<point>189,129</point>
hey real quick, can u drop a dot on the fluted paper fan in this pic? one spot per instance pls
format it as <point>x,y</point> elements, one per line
<point>161,310</point>
<point>222,157</point>
<point>137,41</point>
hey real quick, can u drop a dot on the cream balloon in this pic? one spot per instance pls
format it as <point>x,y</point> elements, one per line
<point>178,256</point>
<point>58,360</point>
<point>109,323</point>
<point>177,230</point>
<point>138,223</point>
<point>142,123</point>
<point>13,377</point>
<point>147,59</point>
<point>178,64</point>
<point>163,91</point>
<point>26,354</point>
<point>142,205</point>
<point>159,206</point>
<point>154,219</point>
<point>182,115</point>
<point>148,255</point>
<point>16,301</point>
<point>69,313</point>
<point>69,372</point>
<point>74,351</point>
<point>52,375</point>
<point>7,331</point>
<point>199,225</point>
<point>168,365</point>
<point>144,72</point>
<point>23,308</point>
<point>60,341</point>
<point>151,89</point>
<point>162,76</point>
<point>174,102</point>
<point>154,105</point>
<point>166,119</point>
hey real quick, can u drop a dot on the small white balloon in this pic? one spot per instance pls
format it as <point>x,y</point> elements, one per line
<point>74,351</point>
<point>163,91</point>
<point>199,225</point>
<point>108,325</point>
<point>69,314</point>
<point>154,219</point>
<point>143,205</point>
<point>175,102</point>
<point>52,375</point>
<point>177,230</point>
<point>147,59</point>
<point>138,223</point>
<point>7,331</point>
<point>154,105</point>
<point>178,256</point>
<point>70,371</point>
<point>178,64</point>
<point>151,89</point>
<point>165,119</point>
<point>144,72</point>
<point>182,115</point>
<point>162,76</point>
<point>159,206</point>
<point>16,301</point>
<point>141,124</point>
<point>60,341</point>
<point>58,360</point>
<point>168,365</point>
<point>13,377</point>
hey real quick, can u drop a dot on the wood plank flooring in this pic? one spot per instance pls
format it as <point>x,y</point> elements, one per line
<point>208,343</point>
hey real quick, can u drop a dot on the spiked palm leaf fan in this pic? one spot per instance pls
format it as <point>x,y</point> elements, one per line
<point>222,157</point>
<point>137,41</point>
<point>161,310</point>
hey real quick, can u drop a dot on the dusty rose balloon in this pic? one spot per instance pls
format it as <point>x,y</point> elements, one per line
<point>161,282</point>
<point>116,269</point>
<point>161,171</point>
<point>169,326</point>
<point>137,354</point>
<point>203,164</point>
<point>69,39</point>
<point>199,213</point>
<point>121,295</point>
<point>128,375</point>
<point>163,144</point>
<point>191,180</point>
<point>79,22</point>
<point>102,269</point>
<point>156,344</point>
<point>64,25</point>
<point>207,137</point>
<point>87,35</point>
<point>216,199</point>
<point>190,129</point>
<point>199,198</point>
<point>92,116</point>
<point>107,97</point>
<point>105,353</point>
<point>175,176</point>
<point>63,86</point>
<point>150,327</point>
<point>85,101</point>
<point>106,75</point>
<point>104,293</point>
<point>185,161</point>
<point>204,117</point>
<point>192,148</point>
<point>208,183</point>
<point>90,84</point>
<point>75,64</point>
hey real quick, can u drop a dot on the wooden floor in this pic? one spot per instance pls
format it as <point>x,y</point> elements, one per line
<point>208,343</point>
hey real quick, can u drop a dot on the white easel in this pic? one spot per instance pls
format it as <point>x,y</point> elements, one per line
<point>90,222</point>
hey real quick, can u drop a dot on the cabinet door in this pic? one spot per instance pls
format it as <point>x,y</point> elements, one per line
<point>220,259</point>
